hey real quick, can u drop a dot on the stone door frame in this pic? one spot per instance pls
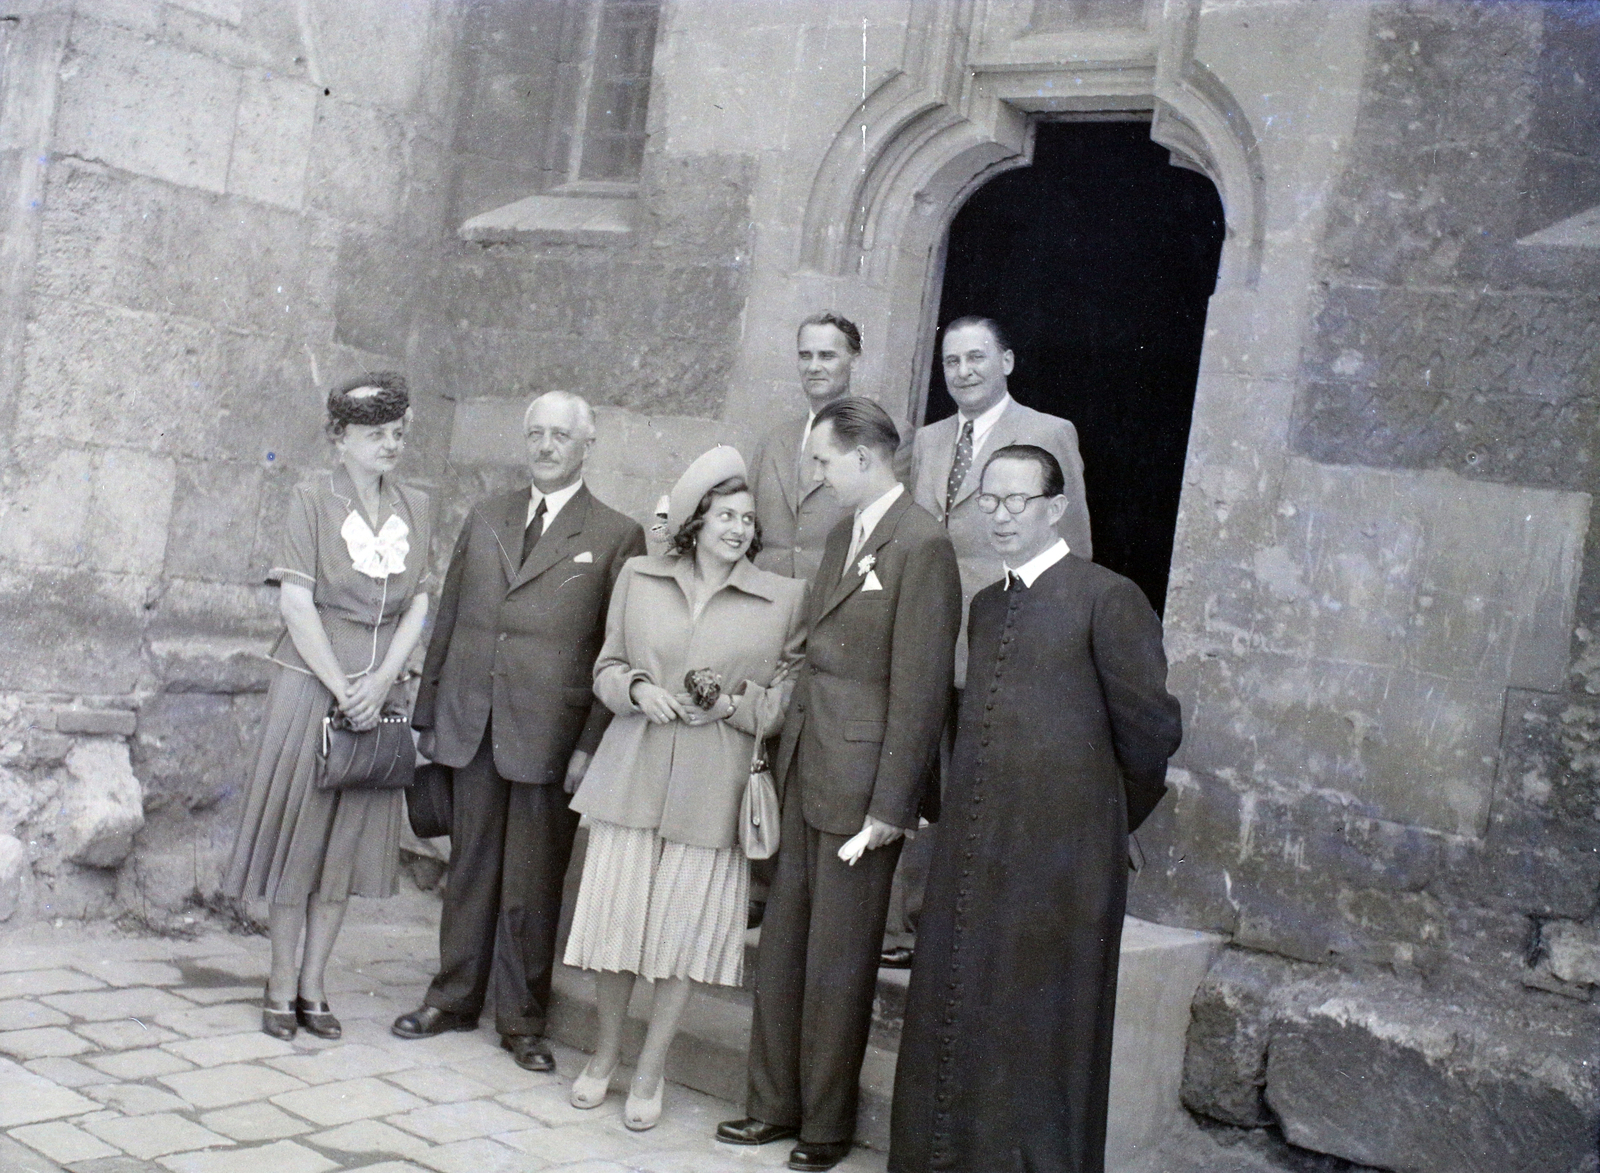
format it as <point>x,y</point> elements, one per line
<point>962,109</point>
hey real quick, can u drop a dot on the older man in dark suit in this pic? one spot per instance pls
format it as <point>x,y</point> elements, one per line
<point>859,750</point>
<point>506,702</point>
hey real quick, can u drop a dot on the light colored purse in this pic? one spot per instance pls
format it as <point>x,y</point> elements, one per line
<point>758,810</point>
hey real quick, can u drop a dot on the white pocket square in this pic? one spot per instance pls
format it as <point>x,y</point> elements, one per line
<point>586,556</point>
<point>871,583</point>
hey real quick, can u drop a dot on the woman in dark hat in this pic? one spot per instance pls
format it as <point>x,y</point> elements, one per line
<point>665,884</point>
<point>353,597</point>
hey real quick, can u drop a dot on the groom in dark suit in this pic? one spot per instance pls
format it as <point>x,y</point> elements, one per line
<point>507,702</point>
<point>859,749</point>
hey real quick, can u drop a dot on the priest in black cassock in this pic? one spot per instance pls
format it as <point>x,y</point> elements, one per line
<point>1064,733</point>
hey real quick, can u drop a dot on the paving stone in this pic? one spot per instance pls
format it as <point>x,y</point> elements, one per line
<point>67,1072</point>
<point>22,1014</point>
<point>62,1142</point>
<point>442,1085</point>
<point>27,1098</point>
<point>102,1005</point>
<point>31,982</point>
<point>124,1034</point>
<point>549,1104</point>
<point>478,1156</point>
<point>117,1165</point>
<point>211,995</point>
<point>494,1067</point>
<point>37,957</point>
<point>345,1061</point>
<point>203,1022</point>
<point>444,1123</point>
<point>369,1136</point>
<point>146,1063</point>
<point>43,1042</point>
<point>572,1142</point>
<point>250,1122</point>
<point>217,1087</point>
<point>394,1167</point>
<point>241,1048</point>
<point>354,1099</point>
<point>284,1156</point>
<point>137,1099</point>
<point>148,1137</point>
<point>117,972</point>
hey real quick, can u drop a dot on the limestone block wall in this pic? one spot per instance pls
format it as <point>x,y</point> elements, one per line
<point>215,209</point>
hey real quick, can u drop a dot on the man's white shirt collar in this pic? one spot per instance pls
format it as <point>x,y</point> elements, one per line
<point>1039,563</point>
<point>553,503</point>
<point>984,424</point>
<point>868,516</point>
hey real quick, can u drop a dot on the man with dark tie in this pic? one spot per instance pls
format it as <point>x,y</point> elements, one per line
<point>858,752</point>
<point>1066,726</point>
<point>506,701</point>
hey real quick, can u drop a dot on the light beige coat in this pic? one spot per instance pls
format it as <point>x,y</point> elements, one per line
<point>687,781</point>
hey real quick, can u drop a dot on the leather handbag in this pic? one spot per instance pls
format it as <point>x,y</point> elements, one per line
<point>381,758</point>
<point>758,809</point>
<point>430,801</point>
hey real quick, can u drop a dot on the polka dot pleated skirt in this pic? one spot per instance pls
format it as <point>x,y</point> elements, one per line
<point>659,909</point>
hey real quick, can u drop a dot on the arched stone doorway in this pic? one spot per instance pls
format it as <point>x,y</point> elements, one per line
<point>1099,260</point>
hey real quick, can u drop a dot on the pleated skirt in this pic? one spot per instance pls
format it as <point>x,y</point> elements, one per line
<point>295,840</point>
<point>660,909</point>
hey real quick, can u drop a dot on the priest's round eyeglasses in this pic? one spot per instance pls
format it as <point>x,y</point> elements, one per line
<point>1015,502</point>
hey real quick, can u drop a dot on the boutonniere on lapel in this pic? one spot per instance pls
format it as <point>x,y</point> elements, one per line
<point>865,568</point>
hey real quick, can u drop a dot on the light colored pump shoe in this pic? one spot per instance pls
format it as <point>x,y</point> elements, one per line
<point>589,1091</point>
<point>640,1114</point>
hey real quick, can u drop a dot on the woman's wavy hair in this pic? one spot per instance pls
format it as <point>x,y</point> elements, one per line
<point>688,534</point>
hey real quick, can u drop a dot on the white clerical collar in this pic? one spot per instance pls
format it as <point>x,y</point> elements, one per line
<point>983,424</point>
<point>868,516</point>
<point>553,502</point>
<point>1039,563</point>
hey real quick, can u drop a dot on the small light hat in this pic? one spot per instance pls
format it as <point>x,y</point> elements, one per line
<point>708,470</point>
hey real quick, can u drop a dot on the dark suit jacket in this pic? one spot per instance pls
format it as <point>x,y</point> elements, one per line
<point>796,511</point>
<point>519,641</point>
<point>874,692</point>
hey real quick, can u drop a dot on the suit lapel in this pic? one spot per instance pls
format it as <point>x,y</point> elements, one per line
<point>942,455</point>
<point>847,581</point>
<point>557,540</point>
<point>508,532</point>
<point>787,462</point>
<point>999,436</point>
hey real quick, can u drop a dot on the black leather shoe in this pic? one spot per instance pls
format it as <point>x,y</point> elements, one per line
<point>530,1052</point>
<point>896,957</point>
<point>428,1021</point>
<point>753,1131</point>
<point>317,1017</point>
<point>816,1158</point>
<point>278,1019</point>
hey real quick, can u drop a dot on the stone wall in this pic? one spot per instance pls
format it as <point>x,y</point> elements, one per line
<point>207,185</point>
<point>1390,689</point>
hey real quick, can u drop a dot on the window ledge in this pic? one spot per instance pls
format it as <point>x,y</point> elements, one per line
<point>557,219</point>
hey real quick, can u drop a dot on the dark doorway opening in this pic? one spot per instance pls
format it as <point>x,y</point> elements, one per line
<point>1098,260</point>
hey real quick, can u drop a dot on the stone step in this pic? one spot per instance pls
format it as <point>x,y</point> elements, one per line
<point>1160,969</point>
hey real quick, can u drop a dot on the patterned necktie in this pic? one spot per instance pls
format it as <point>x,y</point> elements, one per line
<point>531,535</point>
<point>858,538</point>
<point>958,470</point>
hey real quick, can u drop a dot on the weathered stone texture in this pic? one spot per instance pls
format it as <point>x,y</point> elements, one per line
<point>1392,1074</point>
<point>105,808</point>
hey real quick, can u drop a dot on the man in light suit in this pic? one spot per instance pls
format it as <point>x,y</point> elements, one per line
<point>947,457</point>
<point>859,750</point>
<point>507,702</point>
<point>796,509</point>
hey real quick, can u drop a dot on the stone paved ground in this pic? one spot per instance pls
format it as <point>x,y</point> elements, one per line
<point>124,1053</point>
<point>138,1054</point>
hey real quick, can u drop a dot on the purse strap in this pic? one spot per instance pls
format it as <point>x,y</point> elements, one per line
<point>758,761</point>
